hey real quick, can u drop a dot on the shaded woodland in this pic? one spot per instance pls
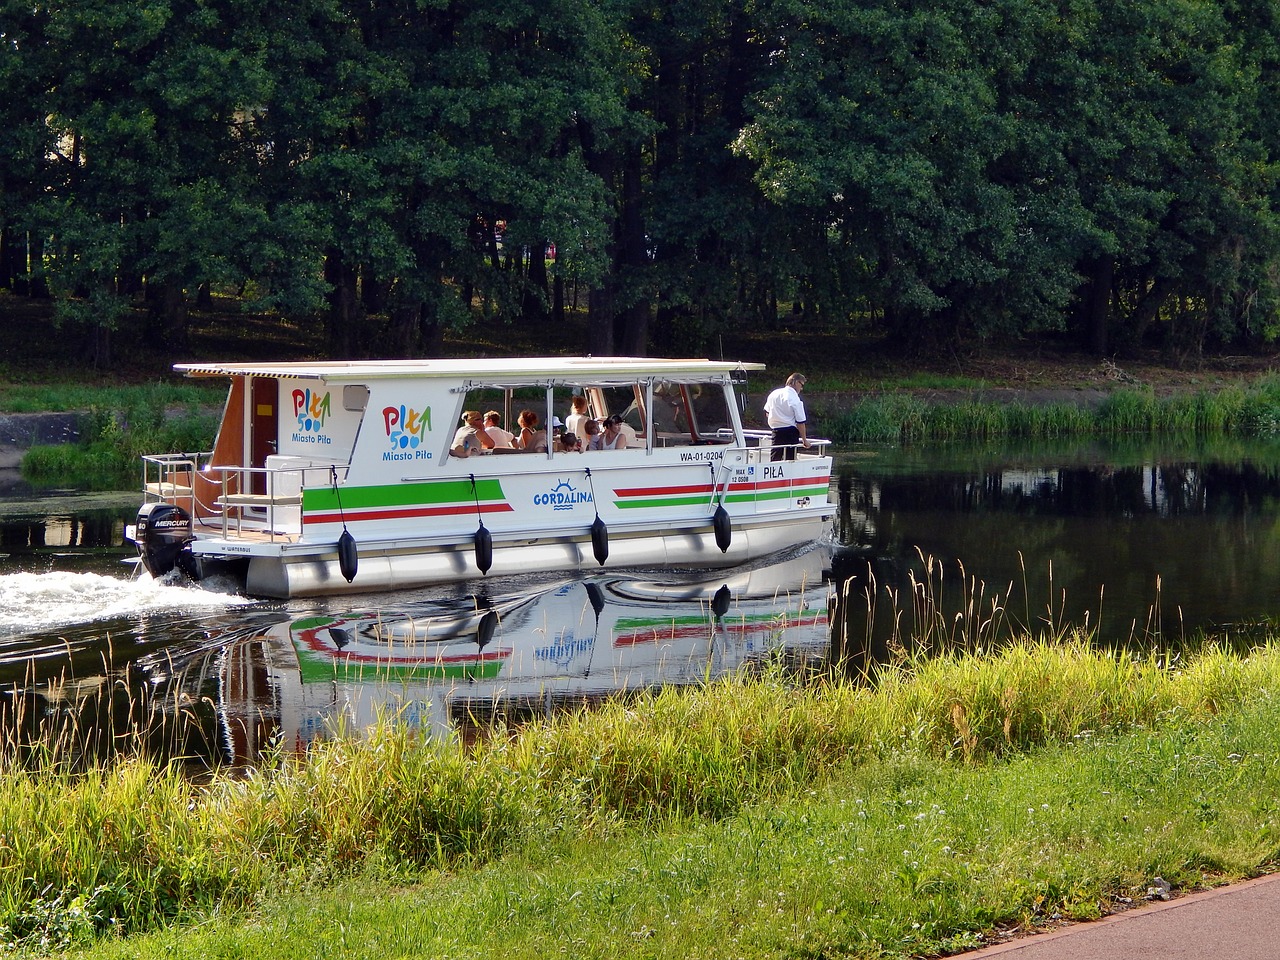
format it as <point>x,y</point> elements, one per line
<point>931,173</point>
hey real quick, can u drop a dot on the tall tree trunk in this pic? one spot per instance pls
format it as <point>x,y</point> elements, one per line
<point>13,258</point>
<point>402,329</point>
<point>1097,305</point>
<point>373,292</point>
<point>601,310</point>
<point>97,347</point>
<point>533,305</point>
<point>343,318</point>
<point>170,307</point>
<point>430,332</point>
<point>633,323</point>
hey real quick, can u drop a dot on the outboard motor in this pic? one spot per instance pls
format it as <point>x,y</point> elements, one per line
<point>163,532</point>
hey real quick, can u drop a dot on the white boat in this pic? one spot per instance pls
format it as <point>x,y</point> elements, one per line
<point>338,477</point>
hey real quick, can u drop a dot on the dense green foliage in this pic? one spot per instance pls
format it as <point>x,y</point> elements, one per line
<point>955,759</point>
<point>919,169</point>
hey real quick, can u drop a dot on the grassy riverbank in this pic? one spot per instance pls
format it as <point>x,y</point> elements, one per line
<point>956,798</point>
<point>1251,410</point>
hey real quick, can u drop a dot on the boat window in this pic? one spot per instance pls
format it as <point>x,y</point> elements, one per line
<point>627,402</point>
<point>506,402</point>
<point>690,413</point>
<point>709,407</point>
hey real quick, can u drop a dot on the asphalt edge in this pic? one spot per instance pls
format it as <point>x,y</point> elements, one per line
<point>1145,910</point>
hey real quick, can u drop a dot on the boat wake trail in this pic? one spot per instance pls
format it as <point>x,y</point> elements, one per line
<point>31,601</point>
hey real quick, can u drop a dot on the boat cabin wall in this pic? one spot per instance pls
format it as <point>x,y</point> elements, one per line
<point>319,421</point>
<point>404,424</point>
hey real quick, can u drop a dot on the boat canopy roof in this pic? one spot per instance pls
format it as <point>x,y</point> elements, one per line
<point>528,370</point>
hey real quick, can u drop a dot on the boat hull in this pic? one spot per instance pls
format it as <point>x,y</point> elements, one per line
<point>394,566</point>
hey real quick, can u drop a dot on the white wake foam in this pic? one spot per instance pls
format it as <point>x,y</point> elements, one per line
<point>41,600</point>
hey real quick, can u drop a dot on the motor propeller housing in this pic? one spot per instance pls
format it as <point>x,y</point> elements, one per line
<point>163,533</point>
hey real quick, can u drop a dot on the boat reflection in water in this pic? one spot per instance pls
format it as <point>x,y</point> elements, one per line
<point>459,665</point>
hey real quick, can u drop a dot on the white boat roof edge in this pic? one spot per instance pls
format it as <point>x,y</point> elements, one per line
<point>572,369</point>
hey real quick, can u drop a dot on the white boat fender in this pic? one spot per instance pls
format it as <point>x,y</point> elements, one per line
<point>723,527</point>
<point>599,530</point>
<point>348,555</point>
<point>483,540</point>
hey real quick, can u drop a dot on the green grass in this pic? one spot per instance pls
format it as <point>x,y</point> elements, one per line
<point>1252,411</point>
<point>76,396</point>
<point>113,440</point>
<point>932,381</point>
<point>740,819</point>
<point>909,857</point>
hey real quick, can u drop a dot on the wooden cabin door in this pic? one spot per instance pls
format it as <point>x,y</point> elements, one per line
<point>264,421</point>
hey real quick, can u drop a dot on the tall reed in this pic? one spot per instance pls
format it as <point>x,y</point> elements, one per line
<point>1243,411</point>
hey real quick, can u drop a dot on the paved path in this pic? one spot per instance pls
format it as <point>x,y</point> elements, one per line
<point>1237,922</point>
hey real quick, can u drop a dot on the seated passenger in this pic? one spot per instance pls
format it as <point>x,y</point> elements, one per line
<point>471,438</point>
<point>568,443</point>
<point>493,427</point>
<point>577,417</point>
<point>531,438</point>
<point>590,434</point>
<point>613,438</point>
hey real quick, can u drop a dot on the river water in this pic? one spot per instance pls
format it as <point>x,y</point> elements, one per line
<point>1147,544</point>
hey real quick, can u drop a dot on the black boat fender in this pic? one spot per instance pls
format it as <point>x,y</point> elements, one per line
<point>483,541</point>
<point>348,555</point>
<point>599,529</point>
<point>600,540</point>
<point>723,527</point>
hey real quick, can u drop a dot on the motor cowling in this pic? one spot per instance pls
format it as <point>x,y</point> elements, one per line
<point>163,531</point>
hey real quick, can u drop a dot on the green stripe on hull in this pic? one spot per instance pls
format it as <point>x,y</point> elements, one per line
<point>748,497</point>
<point>650,623</point>
<point>433,493</point>
<point>791,494</point>
<point>704,500</point>
<point>321,669</point>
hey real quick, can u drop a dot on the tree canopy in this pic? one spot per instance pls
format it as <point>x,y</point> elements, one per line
<point>935,171</point>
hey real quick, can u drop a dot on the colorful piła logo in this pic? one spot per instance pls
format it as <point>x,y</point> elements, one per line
<point>406,427</point>
<point>311,409</point>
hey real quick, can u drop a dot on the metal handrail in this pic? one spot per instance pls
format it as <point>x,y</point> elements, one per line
<point>234,501</point>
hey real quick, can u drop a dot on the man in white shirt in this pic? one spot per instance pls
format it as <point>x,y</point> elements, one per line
<point>785,412</point>
<point>493,427</point>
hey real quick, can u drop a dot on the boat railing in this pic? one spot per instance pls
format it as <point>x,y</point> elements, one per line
<point>761,448</point>
<point>266,501</point>
<point>172,477</point>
